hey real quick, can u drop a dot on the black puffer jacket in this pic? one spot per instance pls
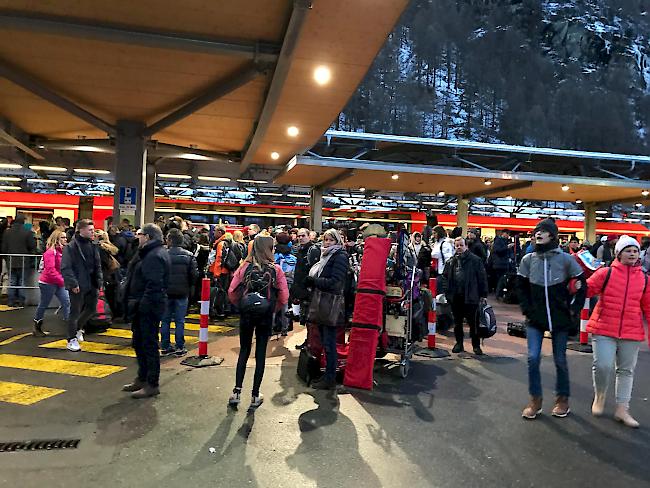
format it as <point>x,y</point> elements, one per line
<point>333,276</point>
<point>475,284</point>
<point>307,256</point>
<point>81,265</point>
<point>148,279</point>
<point>184,273</point>
<point>477,248</point>
<point>424,257</point>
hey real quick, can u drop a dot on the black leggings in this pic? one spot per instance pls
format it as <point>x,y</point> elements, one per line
<point>262,328</point>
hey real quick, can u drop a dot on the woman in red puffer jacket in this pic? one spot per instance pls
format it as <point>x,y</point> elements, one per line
<point>617,326</point>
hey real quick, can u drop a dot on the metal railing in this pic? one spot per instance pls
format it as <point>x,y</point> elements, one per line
<point>19,270</point>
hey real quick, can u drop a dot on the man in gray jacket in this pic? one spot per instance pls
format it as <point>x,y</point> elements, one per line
<point>18,240</point>
<point>81,268</point>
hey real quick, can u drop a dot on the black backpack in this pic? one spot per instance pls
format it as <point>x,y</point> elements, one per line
<point>258,296</point>
<point>487,321</point>
<point>228,257</point>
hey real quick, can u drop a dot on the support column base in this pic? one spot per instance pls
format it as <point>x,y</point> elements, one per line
<point>202,361</point>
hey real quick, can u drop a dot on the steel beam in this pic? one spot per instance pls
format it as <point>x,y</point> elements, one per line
<point>296,22</point>
<point>501,189</point>
<point>25,81</point>
<point>16,143</point>
<point>64,26</point>
<point>213,93</point>
<point>348,173</point>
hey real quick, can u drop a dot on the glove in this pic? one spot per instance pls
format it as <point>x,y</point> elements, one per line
<point>310,281</point>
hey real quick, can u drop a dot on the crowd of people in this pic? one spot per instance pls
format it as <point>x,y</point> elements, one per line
<point>151,276</point>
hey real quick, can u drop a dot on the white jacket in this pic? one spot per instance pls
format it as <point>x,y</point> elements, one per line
<point>443,251</point>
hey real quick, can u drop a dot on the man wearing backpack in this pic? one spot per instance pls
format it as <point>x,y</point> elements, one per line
<point>545,276</point>
<point>182,277</point>
<point>287,262</point>
<point>464,283</point>
<point>220,269</point>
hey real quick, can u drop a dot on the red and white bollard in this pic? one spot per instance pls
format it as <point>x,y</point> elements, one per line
<point>431,316</point>
<point>584,318</point>
<point>202,359</point>
<point>205,315</point>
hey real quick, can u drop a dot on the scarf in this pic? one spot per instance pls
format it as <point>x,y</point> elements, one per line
<point>325,254</point>
<point>552,244</point>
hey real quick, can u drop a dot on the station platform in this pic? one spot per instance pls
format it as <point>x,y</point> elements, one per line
<point>452,422</point>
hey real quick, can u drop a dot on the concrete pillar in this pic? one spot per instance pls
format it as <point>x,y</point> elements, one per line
<point>316,210</point>
<point>132,194</point>
<point>462,214</point>
<point>590,222</point>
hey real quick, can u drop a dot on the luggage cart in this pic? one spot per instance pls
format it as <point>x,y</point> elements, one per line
<point>398,324</point>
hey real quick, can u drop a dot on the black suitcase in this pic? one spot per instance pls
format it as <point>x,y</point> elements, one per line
<point>308,366</point>
<point>517,329</point>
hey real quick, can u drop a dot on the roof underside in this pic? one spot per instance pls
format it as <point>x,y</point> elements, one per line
<point>111,64</point>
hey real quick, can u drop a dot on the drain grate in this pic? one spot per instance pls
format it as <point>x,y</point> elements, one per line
<point>46,445</point>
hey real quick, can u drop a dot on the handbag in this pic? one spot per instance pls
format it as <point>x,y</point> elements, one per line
<point>326,309</point>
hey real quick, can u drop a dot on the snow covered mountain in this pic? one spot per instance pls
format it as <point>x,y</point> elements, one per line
<point>561,74</point>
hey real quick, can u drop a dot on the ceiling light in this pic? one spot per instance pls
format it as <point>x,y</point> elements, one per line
<point>57,169</point>
<point>298,195</point>
<point>578,201</point>
<point>508,197</point>
<point>10,166</point>
<point>99,192</point>
<point>40,180</point>
<point>213,178</point>
<point>88,149</point>
<point>9,178</point>
<point>487,182</point>
<point>70,182</point>
<point>293,131</point>
<point>565,187</point>
<point>322,75</point>
<point>260,182</point>
<point>195,157</point>
<point>408,202</point>
<point>362,188</point>
<point>3,187</point>
<point>395,176</point>
<point>280,202</point>
<point>176,188</point>
<point>638,205</point>
<point>645,193</point>
<point>437,204</point>
<point>275,155</point>
<point>92,171</point>
<point>173,176</point>
<point>601,212</point>
<point>269,194</point>
<point>441,193</point>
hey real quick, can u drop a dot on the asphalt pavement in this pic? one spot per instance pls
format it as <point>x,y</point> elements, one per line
<point>452,422</point>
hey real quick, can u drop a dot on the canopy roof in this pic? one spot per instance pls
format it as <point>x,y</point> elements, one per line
<point>71,69</point>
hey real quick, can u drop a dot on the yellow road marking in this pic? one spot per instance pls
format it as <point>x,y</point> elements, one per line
<point>5,329</point>
<point>61,366</point>
<point>211,328</point>
<point>25,394</point>
<point>96,347</point>
<point>14,338</point>
<point>196,316</point>
<point>126,334</point>
<point>6,308</point>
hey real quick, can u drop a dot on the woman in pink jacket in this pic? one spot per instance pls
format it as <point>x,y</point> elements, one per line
<point>617,326</point>
<point>259,289</point>
<point>50,281</point>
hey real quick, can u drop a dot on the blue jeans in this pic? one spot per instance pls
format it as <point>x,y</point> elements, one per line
<point>328,340</point>
<point>176,309</point>
<point>559,340</point>
<point>14,294</point>
<point>47,292</point>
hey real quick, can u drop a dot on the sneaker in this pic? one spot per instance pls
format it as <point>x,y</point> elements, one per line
<point>80,335</point>
<point>235,398</point>
<point>561,408</point>
<point>73,345</point>
<point>256,401</point>
<point>180,352</point>
<point>458,348</point>
<point>168,351</point>
<point>478,351</point>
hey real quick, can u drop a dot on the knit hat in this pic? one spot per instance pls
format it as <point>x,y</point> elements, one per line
<point>625,241</point>
<point>549,226</point>
<point>611,237</point>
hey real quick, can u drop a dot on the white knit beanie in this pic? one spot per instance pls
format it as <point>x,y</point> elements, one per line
<point>625,241</point>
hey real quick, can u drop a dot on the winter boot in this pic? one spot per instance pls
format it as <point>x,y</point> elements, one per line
<point>622,414</point>
<point>561,408</point>
<point>38,329</point>
<point>533,409</point>
<point>598,406</point>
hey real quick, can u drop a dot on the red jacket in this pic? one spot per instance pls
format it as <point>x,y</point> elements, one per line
<point>622,305</point>
<point>51,273</point>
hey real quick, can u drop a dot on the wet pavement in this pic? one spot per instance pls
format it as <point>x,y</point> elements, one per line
<point>453,422</point>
